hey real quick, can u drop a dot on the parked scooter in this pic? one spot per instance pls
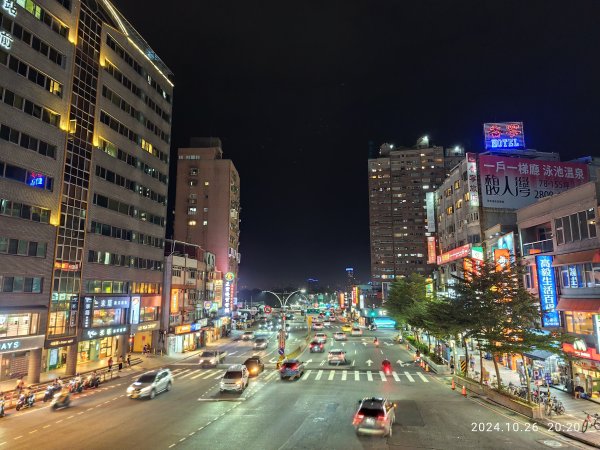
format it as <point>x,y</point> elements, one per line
<point>76,385</point>
<point>25,400</point>
<point>91,381</point>
<point>61,400</point>
<point>2,406</point>
<point>51,389</point>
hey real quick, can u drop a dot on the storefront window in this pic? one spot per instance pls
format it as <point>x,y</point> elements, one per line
<point>18,324</point>
<point>107,317</point>
<point>57,322</point>
<point>579,322</point>
<point>580,275</point>
<point>148,313</point>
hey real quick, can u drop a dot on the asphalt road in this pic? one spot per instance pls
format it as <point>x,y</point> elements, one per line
<point>314,412</point>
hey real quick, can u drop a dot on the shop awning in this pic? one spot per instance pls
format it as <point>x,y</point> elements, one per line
<point>538,354</point>
<point>579,304</point>
<point>577,257</point>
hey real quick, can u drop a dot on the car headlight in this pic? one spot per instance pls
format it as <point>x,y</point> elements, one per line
<point>201,361</point>
<point>130,389</point>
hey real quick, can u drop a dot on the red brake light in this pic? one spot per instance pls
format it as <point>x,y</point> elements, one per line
<point>294,366</point>
<point>380,418</point>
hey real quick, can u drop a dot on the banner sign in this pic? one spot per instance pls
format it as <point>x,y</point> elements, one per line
<point>517,182</point>
<point>472,179</point>
<point>547,288</point>
<point>454,254</point>
<point>431,253</point>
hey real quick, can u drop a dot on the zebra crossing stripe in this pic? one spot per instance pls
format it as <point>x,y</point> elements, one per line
<point>369,376</point>
<point>208,374</point>
<point>410,378</point>
<point>425,380</point>
<point>396,377</point>
<point>382,375</point>
<point>344,375</point>
<point>319,374</point>
<point>356,375</point>
<point>271,375</point>
<point>181,373</point>
<point>331,375</point>
<point>306,374</point>
<point>200,373</point>
<point>218,375</point>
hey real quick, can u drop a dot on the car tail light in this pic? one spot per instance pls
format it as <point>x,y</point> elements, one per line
<point>380,418</point>
<point>358,418</point>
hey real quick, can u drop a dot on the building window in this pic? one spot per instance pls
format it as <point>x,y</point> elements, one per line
<point>576,227</point>
<point>192,211</point>
<point>192,223</point>
<point>205,209</point>
<point>449,210</point>
<point>22,247</point>
<point>459,204</point>
<point>18,324</point>
<point>456,185</point>
<point>579,322</point>
<point>205,223</point>
<point>206,183</point>
<point>32,285</point>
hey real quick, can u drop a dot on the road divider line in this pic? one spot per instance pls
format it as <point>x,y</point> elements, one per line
<point>331,375</point>
<point>382,375</point>
<point>369,376</point>
<point>410,378</point>
<point>46,426</point>
<point>172,445</point>
<point>305,375</point>
<point>425,380</point>
<point>319,374</point>
<point>34,431</point>
<point>18,437</point>
<point>396,377</point>
<point>344,375</point>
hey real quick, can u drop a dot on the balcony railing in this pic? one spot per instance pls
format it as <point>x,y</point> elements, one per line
<point>533,248</point>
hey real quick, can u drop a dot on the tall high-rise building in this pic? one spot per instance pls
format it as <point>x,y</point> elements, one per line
<point>84,142</point>
<point>399,180</point>
<point>207,208</point>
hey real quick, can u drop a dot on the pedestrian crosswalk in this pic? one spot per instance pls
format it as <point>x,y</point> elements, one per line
<point>320,375</point>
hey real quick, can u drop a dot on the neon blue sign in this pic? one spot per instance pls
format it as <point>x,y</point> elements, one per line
<point>504,136</point>
<point>36,179</point>
<point>547,288</point>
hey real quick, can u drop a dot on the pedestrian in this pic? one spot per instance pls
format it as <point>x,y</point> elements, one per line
<point>120,362</point>
<point>128,360</point>
<point>110,363</point>
<point>452,365</point>
<point>20,385</point>
<point>472,362</point>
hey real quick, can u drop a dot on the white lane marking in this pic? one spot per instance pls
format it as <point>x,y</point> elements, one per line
<point>425,380</point>
<point>59,421</point>
<point>410,378</point>
<point>382,375</point>
<point>188,374</point>
<point>218,375</point>
<point>202,373</point>
<point>70,417</point>
<point>34,431</point>
<point>2,443</point>
<point>319,374</point>
<point>180,373</point>
<point>182,439</point>
<point>356,375</point>
<point>396,377</point>
<point>322,363</point>
<point>344,375</point>
<point>172,445</point>
<point>231,353</point>
<point>46,426</point>
<point>18,437</point>
<point>192,433</point>
<point>331,375</point>
<point>369,376</point>
<point>306,374</point>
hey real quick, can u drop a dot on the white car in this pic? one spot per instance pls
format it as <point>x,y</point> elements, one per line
<point>151,383</point>
<point>317,325</point>
<point>339,336</point>
<point>235,379</point>
<point>337,356</point>
<point>356,331</point>
<point>248,336</point>
<point>321,337</point>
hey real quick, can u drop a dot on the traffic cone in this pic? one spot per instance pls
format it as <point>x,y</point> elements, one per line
<point>407,346</point>
<point>464,391</point>
<point>453,387</point>
<point>426,367</point>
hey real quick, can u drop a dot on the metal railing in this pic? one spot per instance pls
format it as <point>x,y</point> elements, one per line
<point>540,246</point>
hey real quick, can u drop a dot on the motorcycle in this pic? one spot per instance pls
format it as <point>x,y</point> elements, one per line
<point>2,407</point>
<point>61,400</point>
<point>376,342</point>
<point>386,367</point>
<point>50,390</point>
<point>91,381</point>
<point>75,386</point>
<point>25,401</point>
<point>372,327</point>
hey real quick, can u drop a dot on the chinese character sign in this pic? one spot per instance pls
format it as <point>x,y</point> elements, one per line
<point>547,288</point>
<point>504,135</point>
<point>431,253</point>
<point>517,182</point>
<point>472,179</point>
<point>9,6</point>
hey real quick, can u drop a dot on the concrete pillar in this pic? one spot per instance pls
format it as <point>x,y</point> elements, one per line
<point>123,346</point>
<point>34,365</point>
<point>71,366</point>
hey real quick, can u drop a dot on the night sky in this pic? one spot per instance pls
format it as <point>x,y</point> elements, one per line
<point>297,90</point>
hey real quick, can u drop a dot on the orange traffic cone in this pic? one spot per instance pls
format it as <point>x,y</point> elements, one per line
<point>407,346</point>
<point>453,387</point>
<point>422,363</point>
<point>464,391</point>
<point>426,367</point>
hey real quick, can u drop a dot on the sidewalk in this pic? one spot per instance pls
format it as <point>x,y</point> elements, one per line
<point>149,362</point>
<point>567,424</point>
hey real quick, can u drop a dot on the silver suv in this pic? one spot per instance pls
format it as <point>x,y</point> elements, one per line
<point>375,416</point>
<point>235,379</point>
<point>151,383</point>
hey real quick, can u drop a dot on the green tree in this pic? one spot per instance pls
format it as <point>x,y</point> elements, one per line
<point>408,301</point>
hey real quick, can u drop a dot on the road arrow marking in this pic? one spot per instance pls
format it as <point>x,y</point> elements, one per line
<point>364,343</point>
<point>309,361</point>
<point>273,360</point>
<point>343,344</point>
<point>369,362</point>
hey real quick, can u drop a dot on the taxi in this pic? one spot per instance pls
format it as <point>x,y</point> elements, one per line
<point>346,328</point>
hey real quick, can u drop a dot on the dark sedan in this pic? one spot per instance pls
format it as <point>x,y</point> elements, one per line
<point>254,365</point>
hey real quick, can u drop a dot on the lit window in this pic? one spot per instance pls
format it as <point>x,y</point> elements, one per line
<point>205,209</point>
<point>456,184</point>
<point>467,196</point>
<point>192,223</point>
<point>205,222</point>
<point>206,183</point>
<point>192,211</point>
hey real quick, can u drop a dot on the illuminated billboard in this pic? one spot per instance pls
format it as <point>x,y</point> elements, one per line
<point>431,254</point>
<point>517,182</point>
<point>504,136</point>
<point>547,289</point>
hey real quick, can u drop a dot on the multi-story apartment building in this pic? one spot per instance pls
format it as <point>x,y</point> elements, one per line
<point>207,210</point>
<point>560,240</point>
<point>86,120</point>
<point>399,180</point>
<point>483,192</point>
